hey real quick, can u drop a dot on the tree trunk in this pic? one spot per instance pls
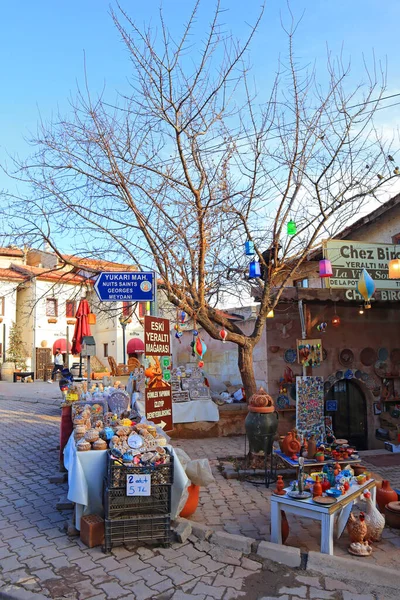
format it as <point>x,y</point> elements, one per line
<point>246,368</point>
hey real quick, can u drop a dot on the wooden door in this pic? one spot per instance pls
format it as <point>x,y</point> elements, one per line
<point>349,420</point>
<point>44,364</point>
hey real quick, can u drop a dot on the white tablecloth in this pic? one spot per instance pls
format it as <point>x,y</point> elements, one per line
<point>86,471</point>
<point>189,412</point>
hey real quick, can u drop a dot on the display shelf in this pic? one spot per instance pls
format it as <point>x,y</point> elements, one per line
<point>286,409</point>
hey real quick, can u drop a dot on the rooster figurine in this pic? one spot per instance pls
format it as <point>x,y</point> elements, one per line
<point>357,528</point>
<point>374,519</point>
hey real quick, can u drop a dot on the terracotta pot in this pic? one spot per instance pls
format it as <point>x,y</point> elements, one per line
<point>392,515</point>
<point>317,488</point>
<point>192,502</point>
<point>325,485</point>
<point>284,527</point>
<point>280,486</point>
<point>319,457</point>
<point>291,445</point>
<point>358,469</point>
<point>385,494</point>
<point>312,447</point>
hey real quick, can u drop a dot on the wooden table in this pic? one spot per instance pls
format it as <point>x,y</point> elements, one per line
<point>309,509</point>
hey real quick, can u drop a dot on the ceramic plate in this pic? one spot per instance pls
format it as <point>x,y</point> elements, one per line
<point>324,500</point>
<point>368,356</point>
<point>290,356</point>
<point>282,401</point>
<point>383,354</point>
<point>299,496</point>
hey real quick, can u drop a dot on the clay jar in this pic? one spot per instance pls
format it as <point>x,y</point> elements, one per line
<point>312,447</point>
<point>325,484</point>
<point>291,445</point>
<point>317,488</point>
<point>280,486</point>
<point>384,495</point>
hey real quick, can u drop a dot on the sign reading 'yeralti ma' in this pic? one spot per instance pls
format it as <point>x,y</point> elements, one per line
<point>350,258</point>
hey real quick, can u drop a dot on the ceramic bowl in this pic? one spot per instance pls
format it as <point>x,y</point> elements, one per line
<point>334,493</point>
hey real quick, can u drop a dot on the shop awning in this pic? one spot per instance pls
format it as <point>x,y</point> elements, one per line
<point>135,346</point>
<point>61,344</point>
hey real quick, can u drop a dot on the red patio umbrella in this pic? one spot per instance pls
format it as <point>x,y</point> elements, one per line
<point>82,326</point>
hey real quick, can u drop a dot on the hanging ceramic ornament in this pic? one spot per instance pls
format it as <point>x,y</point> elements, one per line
<point>200,364</point>
<point>195,332</point>
<point>322,327</point>
<point>223,335</point>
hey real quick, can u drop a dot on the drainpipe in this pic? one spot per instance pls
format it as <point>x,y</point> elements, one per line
<point>34,330</point>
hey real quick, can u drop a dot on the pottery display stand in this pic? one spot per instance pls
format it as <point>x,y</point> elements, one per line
<point>325,514</point>
<point>254,476</point>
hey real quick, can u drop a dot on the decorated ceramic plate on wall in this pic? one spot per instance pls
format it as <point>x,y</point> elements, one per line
<point>290,356</point>
<point>282,401</point>
<point>346,357</point>
<point>383,354</point>
<point>368,356</point>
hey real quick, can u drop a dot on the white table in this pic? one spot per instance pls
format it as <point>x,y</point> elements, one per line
<point>86,471</point>
<point>189,412</point>
<point>311,510</point>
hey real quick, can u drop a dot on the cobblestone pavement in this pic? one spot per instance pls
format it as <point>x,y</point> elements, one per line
<point>36,554</point>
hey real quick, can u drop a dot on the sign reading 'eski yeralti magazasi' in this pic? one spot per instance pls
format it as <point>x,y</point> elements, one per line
<point>157,348</point>
<point>349,258</point>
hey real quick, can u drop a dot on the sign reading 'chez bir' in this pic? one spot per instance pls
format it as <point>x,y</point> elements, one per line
<point>350,258</point>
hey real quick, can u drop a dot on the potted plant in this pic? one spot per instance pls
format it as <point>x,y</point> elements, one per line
<point>52,320</point>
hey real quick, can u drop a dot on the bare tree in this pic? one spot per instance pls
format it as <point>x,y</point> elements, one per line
<point>180,171</point>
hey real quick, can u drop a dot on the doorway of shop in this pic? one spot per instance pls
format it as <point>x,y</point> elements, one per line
<point>345,403</point>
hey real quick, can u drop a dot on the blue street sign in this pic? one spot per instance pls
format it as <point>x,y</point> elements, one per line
<point>128,286</point>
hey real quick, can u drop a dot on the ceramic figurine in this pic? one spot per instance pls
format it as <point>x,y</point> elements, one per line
<point>280,486</point>
<point>375,521</point>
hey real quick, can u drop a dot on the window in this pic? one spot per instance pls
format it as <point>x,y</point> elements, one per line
<point>105,350</point>
<point>70,308</point>
<point>301,283</point>
<point>127,309</point>
<point>2,303</point>
<point>396,239</point>
<point>51,307</point>
<point>142,310</point>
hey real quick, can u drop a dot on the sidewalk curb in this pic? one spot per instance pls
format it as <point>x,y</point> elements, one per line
<point>337,567</point>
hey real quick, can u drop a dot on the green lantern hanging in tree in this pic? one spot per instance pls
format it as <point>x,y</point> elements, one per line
<point>291,228</point>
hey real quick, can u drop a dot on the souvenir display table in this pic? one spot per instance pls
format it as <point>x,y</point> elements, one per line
<point>190,412</point>
<point>86,471</point>
<point>313,464</point>
<point>326,514</point>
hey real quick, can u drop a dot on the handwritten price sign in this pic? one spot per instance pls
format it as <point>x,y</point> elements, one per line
<point>138,485</point>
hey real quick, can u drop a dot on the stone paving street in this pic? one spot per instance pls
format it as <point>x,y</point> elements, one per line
<point>38,560</point>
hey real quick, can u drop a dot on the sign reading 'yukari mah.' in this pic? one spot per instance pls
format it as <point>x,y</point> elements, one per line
<point>350,258</point>
<point>129,286</point>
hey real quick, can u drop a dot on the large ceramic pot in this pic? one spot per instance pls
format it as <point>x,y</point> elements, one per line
<point>392,515</point>
<point>261,425</point>
<point>192,501</point>
<point>385,494</point>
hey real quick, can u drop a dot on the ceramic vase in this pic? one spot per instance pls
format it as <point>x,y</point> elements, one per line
<point>280,486</point>
<point>312,447</point>
<point>317,488</point>
<point>260,430</point>
<point>291,445</point>
<point>384,495</point>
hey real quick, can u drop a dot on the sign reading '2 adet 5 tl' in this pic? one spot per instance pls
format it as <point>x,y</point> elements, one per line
<point>129,286</point>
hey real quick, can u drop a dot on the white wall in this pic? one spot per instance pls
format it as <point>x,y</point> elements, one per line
<point>8,291</point>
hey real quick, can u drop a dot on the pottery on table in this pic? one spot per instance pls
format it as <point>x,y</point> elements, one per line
<point>358,469</point>
<point>312,447</point>
<point>291,445</point>
<point>317,488</point>
<point>280,486</point>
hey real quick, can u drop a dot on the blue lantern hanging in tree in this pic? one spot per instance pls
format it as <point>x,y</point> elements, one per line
<point>254,269</point>
<point>249,248</point>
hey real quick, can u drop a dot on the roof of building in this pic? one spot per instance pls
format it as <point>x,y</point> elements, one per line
<point>369,218</point>
<point>11,274</point>
<point>56,275</point>
<point>96,264</point>
<point>11,252</point>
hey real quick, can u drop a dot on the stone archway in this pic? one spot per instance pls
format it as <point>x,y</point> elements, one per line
<point>368,385</point>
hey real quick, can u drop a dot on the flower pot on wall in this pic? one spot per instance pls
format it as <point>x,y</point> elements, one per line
<point>71,321</point>
<point>52,320</point>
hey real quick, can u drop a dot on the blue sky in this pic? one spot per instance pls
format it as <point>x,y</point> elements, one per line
<point>42,45</point>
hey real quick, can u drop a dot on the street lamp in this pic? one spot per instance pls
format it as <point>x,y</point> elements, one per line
<point>124,322</point>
